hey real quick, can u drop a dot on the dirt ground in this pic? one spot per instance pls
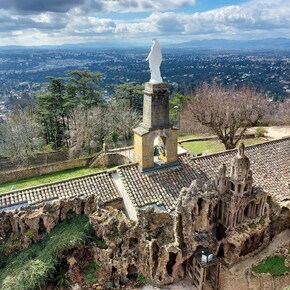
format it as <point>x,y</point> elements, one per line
<point>274,132</point>
<point>185,284</point>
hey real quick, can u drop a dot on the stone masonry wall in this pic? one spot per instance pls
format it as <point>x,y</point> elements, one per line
<point>147,247</point>
<point>151,247</point>
<point>6,164</point>
<point>107,159</point>
<point>45,169</point>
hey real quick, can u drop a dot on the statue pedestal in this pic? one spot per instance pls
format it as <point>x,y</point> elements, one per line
<point>156,106</point>
<point>155,125</point>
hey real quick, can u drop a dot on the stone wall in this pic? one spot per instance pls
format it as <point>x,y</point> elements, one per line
<point>280,217</point>
<point>243,280</point>
<point>239,278</point>
<point>45,169</point>
<point>7,164</point>
<point>153,248</point>
<point>109,159</point>
<point>269,282</point>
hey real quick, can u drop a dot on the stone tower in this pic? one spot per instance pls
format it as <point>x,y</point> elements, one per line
<point>155,135</point>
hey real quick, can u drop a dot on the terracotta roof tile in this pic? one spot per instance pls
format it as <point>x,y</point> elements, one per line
<point>100,184</point>
<point>160,187</point>
<point>270,163</point>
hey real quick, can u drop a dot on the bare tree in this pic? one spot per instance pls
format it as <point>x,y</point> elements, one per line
<point>278,113</point>
<point>20,136</point>
<point>122,120</point>
<point>87,130</point>
<point>228,112</point>
<point>89,127</point>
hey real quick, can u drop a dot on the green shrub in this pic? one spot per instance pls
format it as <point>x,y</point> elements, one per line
<point>273,265</point>
<point>12,245</point>
<point>260,132</point>
<point>94,266</point>
<point>100,242</point>
<point>29,234</point>
<point>262,221</point>
<point>252,226</point>
<point>114,136</point>
<point>141,279</point>
<point>114,233</point>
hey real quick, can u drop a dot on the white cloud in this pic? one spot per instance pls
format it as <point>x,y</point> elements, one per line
<point>38,6</point>
<point>139,5</point>
<point>261,17</point>
<point>80,23</point>
<point>254,19</point>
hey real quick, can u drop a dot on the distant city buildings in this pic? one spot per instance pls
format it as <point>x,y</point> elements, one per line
<point>24,72</point>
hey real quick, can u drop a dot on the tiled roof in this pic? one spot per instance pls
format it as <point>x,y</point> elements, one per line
<point>270,163</point>
<point>160,187</point>
<point>100,184</point>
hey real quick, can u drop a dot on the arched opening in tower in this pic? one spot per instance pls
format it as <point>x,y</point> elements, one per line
<point>159,150</point>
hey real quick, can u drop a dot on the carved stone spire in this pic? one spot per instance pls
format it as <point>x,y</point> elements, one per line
<point>241,175</point>
<point>221,179</point>
<point>240,165</point>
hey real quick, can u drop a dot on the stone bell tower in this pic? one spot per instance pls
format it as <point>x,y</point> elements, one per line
<point>155,133</point>
<point>155,140</point>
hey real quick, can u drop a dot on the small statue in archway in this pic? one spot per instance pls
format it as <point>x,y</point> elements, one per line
<point>162,149</point>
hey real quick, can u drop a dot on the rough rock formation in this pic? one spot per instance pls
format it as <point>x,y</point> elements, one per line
<point>32,222</point>
<point>133,248</point>
<point>223,220</point>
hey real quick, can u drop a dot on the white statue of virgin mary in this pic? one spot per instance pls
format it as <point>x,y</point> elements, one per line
<point>155,59</point>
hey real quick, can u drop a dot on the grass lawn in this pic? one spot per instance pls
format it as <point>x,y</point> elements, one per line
<point>197,135</point>
<point>215,146</point>
<point>273,265</point>
<point>46,178</point>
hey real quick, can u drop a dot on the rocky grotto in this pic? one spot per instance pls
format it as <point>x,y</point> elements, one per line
<point>167,216</point>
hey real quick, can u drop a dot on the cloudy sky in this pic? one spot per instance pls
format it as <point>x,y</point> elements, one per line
<point>42,22</point>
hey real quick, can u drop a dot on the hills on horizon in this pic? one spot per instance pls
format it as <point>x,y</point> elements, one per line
<point>212,44</point>
<point>267,43</point>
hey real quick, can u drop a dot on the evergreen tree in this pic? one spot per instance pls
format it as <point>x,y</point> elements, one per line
<point>129,95</point>
<point>83,88</point>
<point>52,112</point>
